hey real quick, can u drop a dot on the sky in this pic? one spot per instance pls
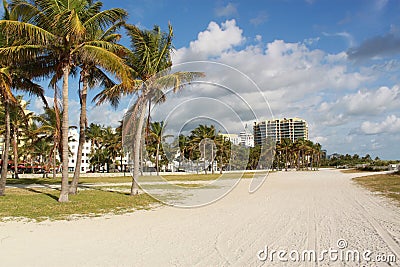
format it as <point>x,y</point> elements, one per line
<point>333,63</point>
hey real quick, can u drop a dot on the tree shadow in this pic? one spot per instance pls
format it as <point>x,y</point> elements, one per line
<point>105,190</point>
<point>33,190</point>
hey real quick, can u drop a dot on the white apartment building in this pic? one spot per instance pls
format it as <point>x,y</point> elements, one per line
<point>293,129</point>
<point>73,146</point>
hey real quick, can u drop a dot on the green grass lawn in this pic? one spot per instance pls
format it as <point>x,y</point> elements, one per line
<point>41,203</point>
<point>128,178</point>
<point>386,184</point>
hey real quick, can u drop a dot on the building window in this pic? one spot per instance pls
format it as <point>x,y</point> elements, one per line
<point>87,161</point>
<point>73,147</point>
<point>83,161</point>
<point>83,154</point>
<point>72,160</point>
<point>83,169</point>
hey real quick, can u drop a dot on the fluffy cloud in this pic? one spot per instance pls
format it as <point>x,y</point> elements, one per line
<point>364,102</point>
<point>105,115</point>
<point>390,125</point>
<point>212,42</point>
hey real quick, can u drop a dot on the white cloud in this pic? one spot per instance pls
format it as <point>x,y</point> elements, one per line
<point>294,78</point>
<point>105,115</point>
<point>320,139</point>
<point>212,42</point>
<point>390,125</point>
<point>226,11</point>
<point>365,102</point>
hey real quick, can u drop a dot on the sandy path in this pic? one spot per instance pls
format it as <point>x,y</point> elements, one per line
<point>292,210</point>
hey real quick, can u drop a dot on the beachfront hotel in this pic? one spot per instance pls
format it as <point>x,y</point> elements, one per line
<point>292,128</point>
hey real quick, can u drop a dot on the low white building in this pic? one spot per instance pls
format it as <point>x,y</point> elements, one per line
<point>233,138</point>
<point>246,138</point>
<point>73,146</point>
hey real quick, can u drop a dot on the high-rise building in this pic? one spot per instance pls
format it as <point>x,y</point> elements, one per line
<point>293,129</point>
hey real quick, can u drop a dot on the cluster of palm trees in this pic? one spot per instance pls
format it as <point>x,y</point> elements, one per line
<point>106,146</point>
<point>206,144</point>
<point>300,154</point>
<point>52,40</point>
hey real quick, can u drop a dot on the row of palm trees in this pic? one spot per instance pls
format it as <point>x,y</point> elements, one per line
<point>52,40</point>
<point>300,154</point>
<point>204,143</point>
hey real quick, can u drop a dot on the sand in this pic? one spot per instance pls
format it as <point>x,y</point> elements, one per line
<point>291,211</point>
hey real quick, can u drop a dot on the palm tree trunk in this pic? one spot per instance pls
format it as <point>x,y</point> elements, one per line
<point>73,189</point>
<point>136,150</point>
<point>57,133</point>
<point>64,128</point>
<point>141,159</point>
<point>204,153</point>
<point>15,151</point>
<point>3,178</point>
<point>157,161</point>
<point>212,158</point>
<point>54,163</point>
<point>220,167</point>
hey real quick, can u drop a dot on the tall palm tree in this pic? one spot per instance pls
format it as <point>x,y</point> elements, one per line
<point>93,76</point>
<point>16,74</point>
<point>150,59</point>
<point>58,30</point>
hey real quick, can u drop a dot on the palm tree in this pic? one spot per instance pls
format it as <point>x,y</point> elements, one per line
<point>58,30</point>
<point>92,76</point>
<point>19,122</point>
<point>223,151</point>
<point>203,137</point>
<point>285,146</point>
<point>16,74</point>
<point>94,133</point>
<point>150,59</point>
<point>49,129</point>
<point>156,137</point>
<point>6,98</point>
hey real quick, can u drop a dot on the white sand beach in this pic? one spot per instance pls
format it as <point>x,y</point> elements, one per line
<point>291,211</point>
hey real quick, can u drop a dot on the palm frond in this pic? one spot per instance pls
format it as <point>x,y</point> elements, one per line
<point>106,18</point>
<point>35,34</point>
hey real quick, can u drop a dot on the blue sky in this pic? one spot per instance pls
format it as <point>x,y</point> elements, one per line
<point>334,63</point>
